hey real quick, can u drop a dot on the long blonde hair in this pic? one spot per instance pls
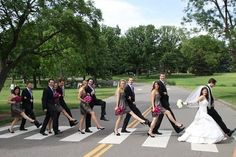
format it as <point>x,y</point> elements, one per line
<point>119,89</point>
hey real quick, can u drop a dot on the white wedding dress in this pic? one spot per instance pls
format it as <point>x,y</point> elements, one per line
<point>203,129</point>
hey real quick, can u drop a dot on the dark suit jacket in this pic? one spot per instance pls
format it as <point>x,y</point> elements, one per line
<point>48,101</point>
<point>61,98</point>
<point>129,93</point>
<point>164,97</point>
<point>89,90</point>
<point>26,100</point>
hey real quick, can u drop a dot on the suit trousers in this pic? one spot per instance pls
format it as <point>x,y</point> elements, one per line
<point>53,115</point>
<point>133,108</point>
<point>213,113</point>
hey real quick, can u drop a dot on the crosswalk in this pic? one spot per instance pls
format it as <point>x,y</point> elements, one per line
<point>160,141</point>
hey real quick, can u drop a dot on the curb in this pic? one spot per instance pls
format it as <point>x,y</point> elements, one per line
<point>228,104</point>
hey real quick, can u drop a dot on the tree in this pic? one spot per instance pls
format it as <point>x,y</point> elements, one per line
<point>215,16</point>
<point>203,54</point>
<point>26,26</point>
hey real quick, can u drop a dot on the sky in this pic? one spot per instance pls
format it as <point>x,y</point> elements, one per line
<point>132,13</point>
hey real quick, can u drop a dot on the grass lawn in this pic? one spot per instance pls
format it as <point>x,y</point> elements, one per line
<point>225,88</point>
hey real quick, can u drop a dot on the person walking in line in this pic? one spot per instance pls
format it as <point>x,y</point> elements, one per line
<point>122,107</point>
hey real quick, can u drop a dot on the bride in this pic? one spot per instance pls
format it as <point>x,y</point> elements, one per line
<point>203,129</point>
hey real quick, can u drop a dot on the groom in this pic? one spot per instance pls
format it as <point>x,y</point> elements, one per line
<point>213,113</point>
<point>165,103</point>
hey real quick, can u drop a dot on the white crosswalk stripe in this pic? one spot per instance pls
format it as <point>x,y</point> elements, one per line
<point>39,136</point>
<point>204,147</point>
<point>76,137</point>
<point>17,132</point>
<point>113,139</point>
<point>160,141</point>
<point>6,127</point>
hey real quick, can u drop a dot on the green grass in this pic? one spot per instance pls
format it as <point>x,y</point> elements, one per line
<point>225,88</point>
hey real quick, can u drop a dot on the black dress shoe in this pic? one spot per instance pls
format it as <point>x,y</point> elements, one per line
<point>57,132</point>
<point>104,118</point>
<point>125,131</point>
<point>180,130</point>
<point>231,132</point>
<point>88,130</point>
<point>156,132</point>
<point>23,129</point>
<point>44,134</point>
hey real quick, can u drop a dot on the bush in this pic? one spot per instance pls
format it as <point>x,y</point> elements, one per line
<point>171,83</point>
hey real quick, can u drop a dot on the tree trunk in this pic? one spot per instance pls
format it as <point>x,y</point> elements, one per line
<point>35,81</point>
<point>3,76</point>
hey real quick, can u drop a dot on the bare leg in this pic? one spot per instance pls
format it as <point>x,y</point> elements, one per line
<point>119,119</point>
<point>154,120</point>
<point>50,126</point>
<point>67,115</point>
<point>168,114</point>
<point>94,118</point>
<point>136,117</point>
<point>26,117</point>
<point>16,119</point>
<point>81,124</point>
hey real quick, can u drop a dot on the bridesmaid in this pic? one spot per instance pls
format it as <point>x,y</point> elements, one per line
<point>17,111</point>
<point>156,104</point>
<point>86,109</point>
<point>122,106</point>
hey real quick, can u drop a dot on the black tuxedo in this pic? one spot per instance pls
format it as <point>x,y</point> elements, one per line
<point>27,105</point>
<point>129,93</point>
<point>63,103</point>
<point>165,103</point>
<point>214,114</point>
<point>94,102</point>
<point>48,103</point>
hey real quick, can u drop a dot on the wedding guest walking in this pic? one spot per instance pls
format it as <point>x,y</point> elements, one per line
<point>158,109</point>
<point>49,106</point>
<point>164,99</point>
<point>122,107</point>
<point>17,111</point>
<point>61,91</point>
<point>130,98</point>
<point>85,108</point>
<point>90,89</point>
<point>213,113</point>
<point>27,103</point>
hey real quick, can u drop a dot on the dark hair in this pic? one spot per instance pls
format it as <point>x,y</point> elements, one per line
<point>162,73</point>
<point>61,80</point>
<point>14,90</point>
<point>90,79</point>
<point>28,82</point>
<point>153,85</point>
<point>50,80</point>
<point>207,97</point>
<point>212,80</point>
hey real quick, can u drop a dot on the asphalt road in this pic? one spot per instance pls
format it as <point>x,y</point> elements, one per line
<point>103,143</point>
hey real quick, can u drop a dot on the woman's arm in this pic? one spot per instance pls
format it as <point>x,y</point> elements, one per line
<point>117,98</point>
<point>10,99</point>
<point>153,99</point>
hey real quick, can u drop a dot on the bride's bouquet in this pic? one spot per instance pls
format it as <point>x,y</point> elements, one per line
<point>180,103</point>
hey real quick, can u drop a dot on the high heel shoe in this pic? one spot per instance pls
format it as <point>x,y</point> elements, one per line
<point>146,122</point>
<point>100,128</point>
<point>116,133</point>
<point>181,126</point>
<point>37,124</point>
<point>152,136</point>
<point>10,130</point>
<point>81,131</point>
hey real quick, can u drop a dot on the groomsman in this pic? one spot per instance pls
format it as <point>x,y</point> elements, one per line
<point>27,104</point>
<point>130,97</point>
<point>213,113</point>
<point>165,103</point>
<point>61,91</point>
<point>49,107</point>
<point>95,102</point>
